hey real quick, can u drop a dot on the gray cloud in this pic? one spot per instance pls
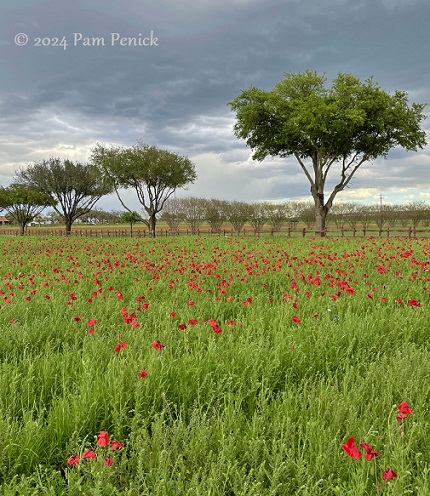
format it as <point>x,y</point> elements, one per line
<point>60,102</point>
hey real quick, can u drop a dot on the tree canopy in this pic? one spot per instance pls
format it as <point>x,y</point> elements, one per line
<point>325,129</point>
<point>153,173</point>
<point>73,187</point>
<point>23,203</point>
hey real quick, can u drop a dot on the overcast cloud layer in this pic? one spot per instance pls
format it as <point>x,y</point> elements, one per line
<point>61,100</point>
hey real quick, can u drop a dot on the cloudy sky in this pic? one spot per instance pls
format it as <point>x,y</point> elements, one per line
<point>194,57</point>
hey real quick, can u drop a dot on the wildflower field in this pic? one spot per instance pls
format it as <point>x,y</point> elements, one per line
<point>214,366</point>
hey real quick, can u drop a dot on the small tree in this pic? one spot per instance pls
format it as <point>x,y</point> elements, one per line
<point>194,212</point>
<point>238,213</point>
<point>258,216</point>
<point>173,213</point>
<point>153,173</point>
<point>74,188</point>
<point>23,203</point>
<point>131,218</point>
<point>276,215</point>
<point>215,213</point>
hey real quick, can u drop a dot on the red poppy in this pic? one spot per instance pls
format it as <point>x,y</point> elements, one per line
<point>351,449</point>
<point>89,454</point>
<point>193,321</point>
<point>414,303</point>
<point>295,319</point>
<point>172,314</point>
<point>145,306</point>
<point>116,444</point>
<point>135,323</point>
<point>103,439</point>
<point>108,461</point>
<point>370,452</point>
<point>157,345</point>
<point>389,474</point>
<point>404,410</point>
<point>91,330</point>
<point>73,460</point>
<point>117,348</point>
<point>182,327</point>
<point>142,373</point>
<point>91,322</point>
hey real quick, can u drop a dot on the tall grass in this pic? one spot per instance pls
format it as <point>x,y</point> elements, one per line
<point>261,408</point>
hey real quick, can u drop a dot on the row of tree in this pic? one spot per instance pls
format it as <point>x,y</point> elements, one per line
<point>72,189</point>
<point>197,213</point>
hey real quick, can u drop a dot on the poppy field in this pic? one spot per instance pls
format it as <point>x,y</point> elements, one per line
<point>214,366</point>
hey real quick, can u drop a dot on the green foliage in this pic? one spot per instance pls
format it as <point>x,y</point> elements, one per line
<point>153,173</point>
<point>23,203</point>
<point>74,188</point>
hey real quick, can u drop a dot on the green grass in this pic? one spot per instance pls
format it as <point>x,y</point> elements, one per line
<point>261,408</point>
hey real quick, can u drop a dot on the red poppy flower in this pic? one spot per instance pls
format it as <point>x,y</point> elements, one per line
<point>157,345</point>
<point>414,303</point>
<point>103,439</point>
<point>182,327</point>
<point>91,322</point>
<point>91,330</point>
<point>135,323</point>
<point>351,449</point>
<point>145,306</point>
<point>142,373</point>
<point>108,461</point>
<point>89,454</point>
<point>172,314</point>
<point>117,348</point>
<point>193,321</point>
<point>404,410</point>
<point>389,474</point>
<point>73,460</point>
<point>370,452</point>
<point>116,444</point>
<point>295,319</point>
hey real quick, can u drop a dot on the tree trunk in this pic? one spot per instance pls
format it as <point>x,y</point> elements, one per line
<point>22,231</point>
<point>152,223</point>
<point>320,217</point>
<point>68,227</point>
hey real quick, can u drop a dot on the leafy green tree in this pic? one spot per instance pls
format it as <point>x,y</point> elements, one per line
<point>131,218</point>
<point>23,203</point>
<point>327,130</point>
<point>153,173</point>
<point>74,188</point>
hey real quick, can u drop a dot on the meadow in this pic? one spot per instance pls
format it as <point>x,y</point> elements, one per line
<point>214,366</point>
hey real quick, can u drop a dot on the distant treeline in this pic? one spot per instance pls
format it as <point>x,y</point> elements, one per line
<point>195,213</point>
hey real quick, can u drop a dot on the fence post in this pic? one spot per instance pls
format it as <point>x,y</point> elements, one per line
<point>304,232</point>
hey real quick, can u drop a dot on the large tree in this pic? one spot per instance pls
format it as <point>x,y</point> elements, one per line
<point>23,203</point>
<point>153,173</point>
<point>327,129</point>
<point>74,188</point>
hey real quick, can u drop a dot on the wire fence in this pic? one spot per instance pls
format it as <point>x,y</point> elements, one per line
<point>286,232</point>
